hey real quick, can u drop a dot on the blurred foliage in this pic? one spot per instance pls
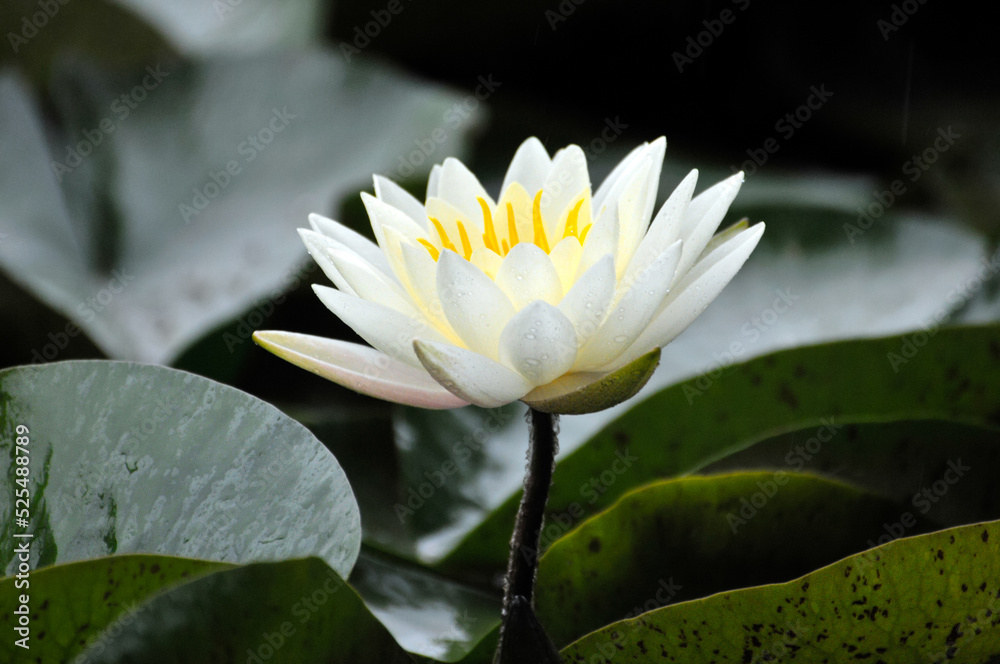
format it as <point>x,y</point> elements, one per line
<point>880,197</point>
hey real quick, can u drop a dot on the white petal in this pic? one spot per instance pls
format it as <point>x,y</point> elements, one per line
<point>631,224</point>
<point>632,313</point>
<point>527,275</point>
<point>362,279</point>
<point>665,227</point>
<point>461,188</point>
<point>565,258</point>
<point>613,180</point>
<point>384,328</point>
<point>433,181</point>
<point>539,343</point>
<point>696,290</point>
<point>529,166</point>
<point>471,376</point>
<point>356,242</point>
<point>563,185</point>
<point>704,214</point>
<point>382,214</point>
<point>317,247</point>
<point>475,306</point>
<point>392,194</point>
<point>587,302</point>
<point>359,368</point>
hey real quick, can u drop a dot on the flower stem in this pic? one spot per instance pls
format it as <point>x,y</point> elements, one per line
<point>522,567</point>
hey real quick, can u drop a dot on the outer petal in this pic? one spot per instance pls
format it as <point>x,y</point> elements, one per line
<point>386,329</point>
<point>529,166</point>
<point>539,343</point>
<point>356,242</point>
<point>587,302</point>
<point>475,306</point>
<point>632,313</point>
<point>471,376</point>
<point>665,227</point>
<point>694,293</point>
<point>704,214</point>
<point>382,214</point>
<point>392,194</point>
<point>354,272</point>
<point>527,274</point>
<point>359,368</point>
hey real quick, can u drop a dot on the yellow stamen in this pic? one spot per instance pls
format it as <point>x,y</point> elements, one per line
<point>536,217</point>
<point>583,235</point>
<point>466,245</point>
<point>505,247</point>
<point>445,242</point>
<point>511,227</point>
<point>571,219</point>
<point>490,236</point>
<point>430,247</point>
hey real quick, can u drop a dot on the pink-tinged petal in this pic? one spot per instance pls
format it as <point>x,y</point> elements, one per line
<point>471,376</point>
<point>529,166</point>
<point>696,290</point>
<point>359,368</point>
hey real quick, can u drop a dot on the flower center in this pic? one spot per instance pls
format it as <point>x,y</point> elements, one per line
<point>508,237</point>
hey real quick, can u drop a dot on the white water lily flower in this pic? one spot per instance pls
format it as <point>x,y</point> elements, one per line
<point>553,294</point>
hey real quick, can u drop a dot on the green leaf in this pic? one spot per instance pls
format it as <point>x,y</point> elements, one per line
<point>130,458</point>
<point>681,539</point>
<point>426,613</point>
<point>291,611</point>
<point>954,376</point>
<point>180,215</point>
<point>231,26</point>
<point>930,598</point>
<point>69,605</point>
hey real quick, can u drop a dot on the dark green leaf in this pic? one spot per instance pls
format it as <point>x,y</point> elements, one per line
<point>931,598</point>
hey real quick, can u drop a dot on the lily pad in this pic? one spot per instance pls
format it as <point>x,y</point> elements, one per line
<point>930,598</point>
<point>167,201</point>
<point>954,376</point>
<point>682,539</point>
<point>130,458</point>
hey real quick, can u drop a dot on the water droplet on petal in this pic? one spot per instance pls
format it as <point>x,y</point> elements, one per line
<point>621,338</point>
